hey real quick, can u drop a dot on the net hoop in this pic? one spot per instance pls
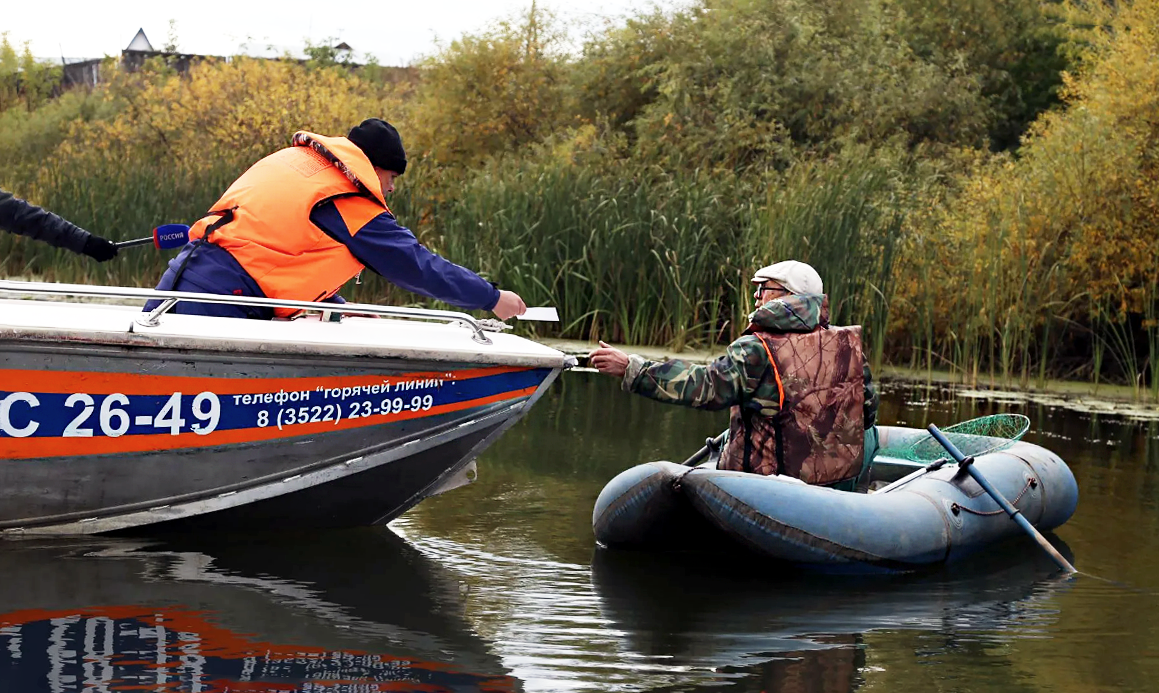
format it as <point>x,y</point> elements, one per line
<point>974,438</point>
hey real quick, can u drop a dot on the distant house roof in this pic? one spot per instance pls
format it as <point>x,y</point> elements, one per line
<point>140,42</point>
<point>343,47</point>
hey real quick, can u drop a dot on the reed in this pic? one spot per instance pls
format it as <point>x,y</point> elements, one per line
<point>638,259</point>
<point>120,205</point>
<point>844,219</point>
<point>1151,329</point>
<point>642,255</point>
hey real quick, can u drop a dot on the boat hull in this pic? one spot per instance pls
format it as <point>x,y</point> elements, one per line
<point>99,438</point>
<point>937,518</point>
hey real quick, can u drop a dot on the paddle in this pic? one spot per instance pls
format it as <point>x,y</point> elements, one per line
<point>165,237</point>
<point>967,463</point>
<point>710,444</point>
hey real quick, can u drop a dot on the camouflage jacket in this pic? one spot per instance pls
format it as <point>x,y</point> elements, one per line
<point>741,376</point>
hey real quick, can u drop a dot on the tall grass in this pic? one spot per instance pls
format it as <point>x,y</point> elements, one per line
<point>642,255</point>
<point>120,205</point>
<point>845,219</point>
<point>1151,326</point>
<point>648,257</point>
<point>636,256</point>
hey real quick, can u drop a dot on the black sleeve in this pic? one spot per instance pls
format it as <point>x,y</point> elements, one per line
<point>26,219</point>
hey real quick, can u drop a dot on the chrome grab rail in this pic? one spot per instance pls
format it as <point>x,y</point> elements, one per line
<point>171,298</point>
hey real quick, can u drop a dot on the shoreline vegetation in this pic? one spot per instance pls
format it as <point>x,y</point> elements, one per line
<point>976,182</point>
<point>1119,400</point>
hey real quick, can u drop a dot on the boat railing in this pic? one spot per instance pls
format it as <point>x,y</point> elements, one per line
<point>168,299</point>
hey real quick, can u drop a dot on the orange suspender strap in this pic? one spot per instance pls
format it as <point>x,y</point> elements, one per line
<point>776,372</point>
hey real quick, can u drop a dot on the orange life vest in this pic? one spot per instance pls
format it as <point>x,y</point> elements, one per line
<point>263,219</point>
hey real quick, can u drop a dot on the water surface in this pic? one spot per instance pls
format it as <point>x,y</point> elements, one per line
<point>499,586</point>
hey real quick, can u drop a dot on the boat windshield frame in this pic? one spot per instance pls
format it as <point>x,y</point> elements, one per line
<point>169,299</point>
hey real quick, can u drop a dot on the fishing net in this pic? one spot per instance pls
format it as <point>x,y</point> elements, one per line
<point>974,437</point>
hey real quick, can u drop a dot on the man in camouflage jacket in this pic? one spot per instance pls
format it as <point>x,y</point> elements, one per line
<point>787,409</point>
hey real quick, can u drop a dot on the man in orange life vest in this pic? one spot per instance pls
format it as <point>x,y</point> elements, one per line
<point>304,220</point>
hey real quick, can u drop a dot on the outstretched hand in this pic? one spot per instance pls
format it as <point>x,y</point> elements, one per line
<point>610,360</point>
<point>509,305</point>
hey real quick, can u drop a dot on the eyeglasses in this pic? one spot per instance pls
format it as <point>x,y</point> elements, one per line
<point>781,291</point>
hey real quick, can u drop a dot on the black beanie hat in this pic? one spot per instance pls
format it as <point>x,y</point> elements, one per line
<point>380,142</point>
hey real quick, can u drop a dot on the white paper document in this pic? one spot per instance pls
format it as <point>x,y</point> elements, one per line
<point>546,314</point>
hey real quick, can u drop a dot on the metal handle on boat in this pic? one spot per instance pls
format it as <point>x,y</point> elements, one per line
<point>171,298</point>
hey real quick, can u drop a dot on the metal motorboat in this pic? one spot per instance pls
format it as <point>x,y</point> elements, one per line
<point>114,419</point>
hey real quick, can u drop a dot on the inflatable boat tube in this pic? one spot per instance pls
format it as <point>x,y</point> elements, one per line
<point>936,518</point>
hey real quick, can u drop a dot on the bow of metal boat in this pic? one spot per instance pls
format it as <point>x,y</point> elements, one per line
<point>110,422</point>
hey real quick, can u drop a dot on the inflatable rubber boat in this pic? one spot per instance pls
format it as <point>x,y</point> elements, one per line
<point>922,519</point>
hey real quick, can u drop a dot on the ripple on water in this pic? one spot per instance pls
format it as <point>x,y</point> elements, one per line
<point>556,625</point>
<point>544,619</point>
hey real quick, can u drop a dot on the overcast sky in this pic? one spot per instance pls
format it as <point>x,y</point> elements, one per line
<point>395,32</point>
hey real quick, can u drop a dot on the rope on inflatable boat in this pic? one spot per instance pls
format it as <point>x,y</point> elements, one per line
<point>1030,483</point>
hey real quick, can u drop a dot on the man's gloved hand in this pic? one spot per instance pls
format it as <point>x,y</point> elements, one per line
<point>100,249</point>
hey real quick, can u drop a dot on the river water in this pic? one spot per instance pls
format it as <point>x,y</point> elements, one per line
<point>499,586</point>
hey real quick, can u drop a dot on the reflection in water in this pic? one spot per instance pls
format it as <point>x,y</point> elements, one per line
<point>499,587</point>
<point>656,621</point>
<point>735,612</point>
<point>341,611</point>
<point>164,648</point>
<point>521,536</point>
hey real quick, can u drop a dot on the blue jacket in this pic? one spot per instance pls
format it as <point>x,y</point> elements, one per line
<point>382,245</point>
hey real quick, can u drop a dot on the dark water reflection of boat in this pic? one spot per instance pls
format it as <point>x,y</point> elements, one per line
<point>763,628</point>
<point>340,611</point>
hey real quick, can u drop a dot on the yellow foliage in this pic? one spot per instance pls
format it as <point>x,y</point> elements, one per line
<point>220,113</point>
<point>1069,229</point>
<point>490,94</point>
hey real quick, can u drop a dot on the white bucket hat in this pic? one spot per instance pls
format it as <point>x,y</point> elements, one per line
<point>795,276</point>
